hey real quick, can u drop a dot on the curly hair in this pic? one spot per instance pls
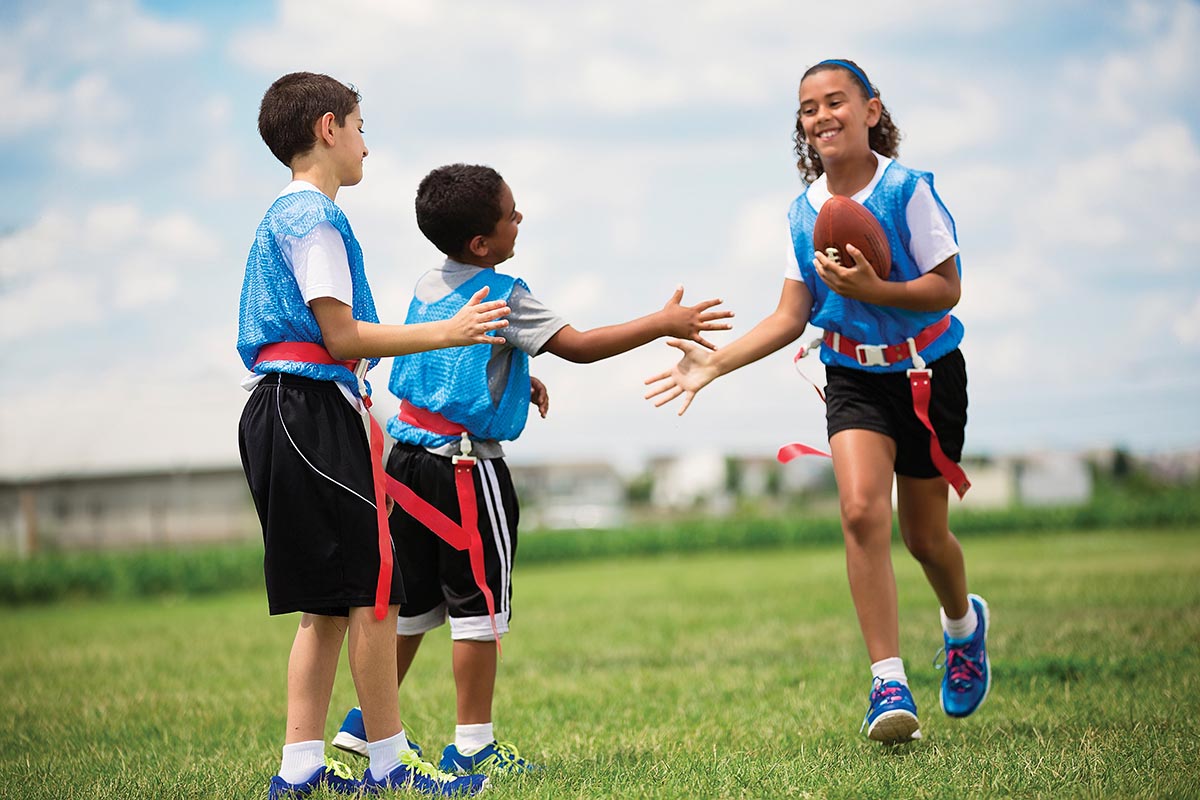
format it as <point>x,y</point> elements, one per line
<point>456,203</point>
<point>293,104</point>
<point>884,137</point>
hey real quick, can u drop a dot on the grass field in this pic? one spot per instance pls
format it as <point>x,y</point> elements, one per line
<point>712,675</point>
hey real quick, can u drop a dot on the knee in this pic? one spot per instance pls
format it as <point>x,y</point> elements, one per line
<point>864,517</point>
<point>925,546</point>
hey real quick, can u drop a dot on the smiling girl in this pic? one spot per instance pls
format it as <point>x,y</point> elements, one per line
<point>886,417</point>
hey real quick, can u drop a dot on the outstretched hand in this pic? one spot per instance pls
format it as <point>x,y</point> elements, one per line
<point>474,320</point>
<point>539,396</point>
<point>855,282</point>
<point>687,322</point>
<point>693,372</point>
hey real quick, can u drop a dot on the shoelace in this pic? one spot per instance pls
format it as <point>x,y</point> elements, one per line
<point>507,751</point>
<point>882,695</point>
<point>960,668</point>
<point>339,769</point>
<point>414,762</point>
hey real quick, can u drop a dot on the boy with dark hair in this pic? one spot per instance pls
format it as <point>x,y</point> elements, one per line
<point>464,402</point>
<point>308,332</point>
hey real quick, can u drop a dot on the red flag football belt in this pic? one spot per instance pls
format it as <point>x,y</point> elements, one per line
<point>464,536</point>
<point>920,379</point>
<point>872,355</point>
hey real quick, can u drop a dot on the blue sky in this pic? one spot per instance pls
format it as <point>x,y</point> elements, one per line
<point>647,145</point>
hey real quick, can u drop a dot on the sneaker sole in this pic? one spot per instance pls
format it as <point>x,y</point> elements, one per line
<point>350,743</point>
<point>892,727</point>
<point>987,687</point>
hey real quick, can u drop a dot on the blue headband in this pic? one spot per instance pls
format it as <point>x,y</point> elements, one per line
<point>855,71</point>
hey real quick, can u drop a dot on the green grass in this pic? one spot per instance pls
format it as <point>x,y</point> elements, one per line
<point>720,674</point>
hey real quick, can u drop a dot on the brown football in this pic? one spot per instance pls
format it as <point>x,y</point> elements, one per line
<point>843,221</point>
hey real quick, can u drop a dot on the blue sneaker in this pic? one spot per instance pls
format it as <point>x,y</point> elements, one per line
<point>419,776</point>
<point>892,716</point>
<point>335,776</point>
<point>352,737</point>
<point>968,677</point>
<point>497,757</point>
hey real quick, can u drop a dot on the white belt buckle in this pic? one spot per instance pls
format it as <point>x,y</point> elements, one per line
<point>870,355</point>
<point>464,450</point>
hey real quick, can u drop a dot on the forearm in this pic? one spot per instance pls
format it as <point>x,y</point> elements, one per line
<point>585,347</point>
<point>776,331</point>
<point>370,340</point>
<point>935,290</point>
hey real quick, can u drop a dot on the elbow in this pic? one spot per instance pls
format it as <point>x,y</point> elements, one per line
<point>579,358</point>
<point>340,349</point>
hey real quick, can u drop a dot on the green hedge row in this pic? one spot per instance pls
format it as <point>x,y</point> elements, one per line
<point>142,573</point>
<point>195,571</point>
<point>1167,509</point>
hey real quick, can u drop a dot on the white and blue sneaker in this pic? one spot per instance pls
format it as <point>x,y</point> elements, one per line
<point>421,777</point>
<point>494,758</point>
<point>968,676</point>
<point>352,736</point>
<point>334,776</point>
<point>892,715</point>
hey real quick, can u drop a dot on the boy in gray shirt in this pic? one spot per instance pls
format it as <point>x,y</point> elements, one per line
<point>471,399</point>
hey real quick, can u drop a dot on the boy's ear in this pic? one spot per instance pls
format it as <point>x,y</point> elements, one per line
<point>478,246</point>
<point>323,128</point>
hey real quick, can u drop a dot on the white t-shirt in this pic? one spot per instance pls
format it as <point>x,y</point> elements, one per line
<point>932,237</point>
<point>322,269</point>
<point>318,259</point>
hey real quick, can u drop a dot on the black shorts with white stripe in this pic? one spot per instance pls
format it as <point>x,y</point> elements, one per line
<point>308,463</point>
<point>437,578</point>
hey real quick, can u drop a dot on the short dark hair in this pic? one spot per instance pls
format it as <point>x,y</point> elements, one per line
<point>456,203</point>
<point>294,103</point>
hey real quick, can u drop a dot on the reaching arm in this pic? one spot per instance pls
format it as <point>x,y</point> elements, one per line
<point>698,367</point>
<point>346,337</point>
<point>937,289</point>
<point>674,319</point>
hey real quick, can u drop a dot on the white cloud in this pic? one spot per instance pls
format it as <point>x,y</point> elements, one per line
<point>70,270</point>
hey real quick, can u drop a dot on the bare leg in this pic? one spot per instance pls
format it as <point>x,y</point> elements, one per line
<point>373,665</point>
<point>312,666</point>
<point>863,463</point>
<point>406,651</point>
<point>475,680</point>
<point>926,531</point>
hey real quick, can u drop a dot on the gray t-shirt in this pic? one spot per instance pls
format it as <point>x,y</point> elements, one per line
<point>530,326</point>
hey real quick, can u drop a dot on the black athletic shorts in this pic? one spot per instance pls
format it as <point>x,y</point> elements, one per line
<point>437,578</point>
<point>308,463</point>
<point>882,402</point>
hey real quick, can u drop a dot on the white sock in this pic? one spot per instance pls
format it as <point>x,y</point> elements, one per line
<point>960,629</point>
<point>385,754</point>
<point>889,669</point>
<point>473,738</point>
<point>301,760</point>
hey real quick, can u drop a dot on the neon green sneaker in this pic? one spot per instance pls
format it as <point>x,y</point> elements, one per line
<point>496,757</point>
<point>421,777</point>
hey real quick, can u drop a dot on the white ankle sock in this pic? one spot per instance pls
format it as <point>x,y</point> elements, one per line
<point>301,760</point>
<point>889,669</point>
<point>959,629</point>
<point>471,738</point>
<point>385,754</point>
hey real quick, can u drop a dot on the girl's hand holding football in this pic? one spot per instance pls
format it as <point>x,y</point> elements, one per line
<point>858,281</point>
